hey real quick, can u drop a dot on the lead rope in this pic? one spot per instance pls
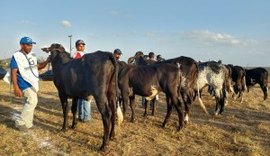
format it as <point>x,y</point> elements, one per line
<point>30,66</point>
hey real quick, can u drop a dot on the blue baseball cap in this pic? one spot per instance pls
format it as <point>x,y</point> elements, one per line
<point>26,40</point>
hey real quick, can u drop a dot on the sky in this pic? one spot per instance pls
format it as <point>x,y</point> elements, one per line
<point>234,31</point>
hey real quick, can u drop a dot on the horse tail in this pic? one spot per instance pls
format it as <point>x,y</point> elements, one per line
<point>119,113</point>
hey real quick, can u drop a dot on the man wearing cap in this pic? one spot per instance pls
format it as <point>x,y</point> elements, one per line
<point>117,54</point>
<point>83,105</point>
<point>24,76</point>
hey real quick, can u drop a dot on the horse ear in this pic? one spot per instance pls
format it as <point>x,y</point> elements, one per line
<point>46,49</point>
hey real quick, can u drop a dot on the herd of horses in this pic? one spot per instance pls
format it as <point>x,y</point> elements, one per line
<point>113,84</point>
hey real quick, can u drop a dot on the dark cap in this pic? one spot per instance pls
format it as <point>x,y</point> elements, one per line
<point>117,51</point>
<point>79,42</point>
<point>151,54</point>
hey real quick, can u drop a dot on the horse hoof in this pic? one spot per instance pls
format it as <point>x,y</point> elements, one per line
<point>179,128</point>
<point>163,125</point>
<point>103,148</point>
<point>63,129</point>
<point>216,114</point>
<point>112,137</point>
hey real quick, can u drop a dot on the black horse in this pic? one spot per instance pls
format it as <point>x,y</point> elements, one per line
<point>190,72</point>
<point>258,75</point>
<point>94,75</point>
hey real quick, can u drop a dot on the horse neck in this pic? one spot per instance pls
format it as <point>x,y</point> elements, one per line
<point>59,61</point>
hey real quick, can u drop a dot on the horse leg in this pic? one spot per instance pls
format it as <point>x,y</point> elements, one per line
<point>169,111</point>
<point>188,100</point>
<point>235,93</point>
<point>265,91</point>
<point>153,102</point>
<point>146,102</point>
<point>178,106</point>
<point>220,102</point>
<point>125,103</point>
<point>104,109</point>
<point>132,106</point>
<point>241,96</point>
<point>223,100</point>
<point>112,105</point>
<point>64,103</point>
<point>74,112</point>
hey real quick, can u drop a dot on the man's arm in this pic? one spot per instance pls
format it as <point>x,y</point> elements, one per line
<point>42,65</point>
<point>17,90</point>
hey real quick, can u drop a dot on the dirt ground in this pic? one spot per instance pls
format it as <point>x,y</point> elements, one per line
<point>243,129</point>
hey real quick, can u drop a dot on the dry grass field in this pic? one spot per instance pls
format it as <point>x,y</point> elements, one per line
<point>243,129</point>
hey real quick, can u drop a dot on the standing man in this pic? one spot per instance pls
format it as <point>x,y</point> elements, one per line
<point>24,76</point>
<point>152,57</point>
<point>84,105</point>
<point>117,54</point>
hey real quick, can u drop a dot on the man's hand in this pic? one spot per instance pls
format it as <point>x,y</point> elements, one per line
<point>18,92</point>
<point>44,64</point>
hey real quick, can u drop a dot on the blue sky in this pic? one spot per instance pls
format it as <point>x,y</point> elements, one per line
<point>235,31</point>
